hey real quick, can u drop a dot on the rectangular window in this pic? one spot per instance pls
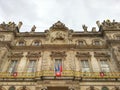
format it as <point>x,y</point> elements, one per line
<point>58,67</point>
<point>31,66</point>
<point>58,62</point>
<point>104,66</point>
<point>12,66</point>
<point>85,66</point>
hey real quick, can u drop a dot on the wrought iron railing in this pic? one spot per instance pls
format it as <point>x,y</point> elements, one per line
<point>68,73</point>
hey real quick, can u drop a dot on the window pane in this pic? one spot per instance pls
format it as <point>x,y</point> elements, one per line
<point>12,66</point>
<point>21,43</point>
<point>104,66</point>
<point>58,62</point>
<point>85,66</point>
<point>80,43</point>
<point>36,43</point>
<point>31,66</point>
<point>97,43</point>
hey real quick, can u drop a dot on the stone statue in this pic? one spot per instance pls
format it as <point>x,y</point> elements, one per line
<point>19,25</point>
<point>98,23</point>
<point>33,28</point>
<point>11,24</point>
<point>94,29</point>
<point>85,28</point>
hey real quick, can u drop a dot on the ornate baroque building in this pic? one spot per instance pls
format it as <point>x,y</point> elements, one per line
<point>60,58</point>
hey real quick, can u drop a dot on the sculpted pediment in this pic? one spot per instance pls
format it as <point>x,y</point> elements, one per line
<point>58,32</point>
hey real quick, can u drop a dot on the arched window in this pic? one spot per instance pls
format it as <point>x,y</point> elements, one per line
<point>104,88</point>
<point>81,42</point>
<point>12,88</point>
<point>36,43</point>
<point>97,42</point>
<point>21,43</point>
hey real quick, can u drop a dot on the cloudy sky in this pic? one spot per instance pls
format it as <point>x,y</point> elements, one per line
<point>44,13</point>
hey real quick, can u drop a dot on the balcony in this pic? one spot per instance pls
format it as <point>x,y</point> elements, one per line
<point>69,73</point>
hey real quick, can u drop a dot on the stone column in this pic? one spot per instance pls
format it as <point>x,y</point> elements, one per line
<point>22,63</point>
<point>39,64</point>
<point>94,63</point>
<point>3,58</point>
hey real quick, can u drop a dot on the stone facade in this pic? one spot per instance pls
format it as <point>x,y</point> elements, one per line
<point>90,60</point>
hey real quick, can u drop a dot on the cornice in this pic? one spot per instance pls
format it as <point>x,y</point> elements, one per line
<point>113,41</point>
<point>58,47</point>
<point>31,34</point>
<point>93,34</point>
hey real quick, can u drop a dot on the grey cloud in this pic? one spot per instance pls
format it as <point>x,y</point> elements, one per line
<point>74,13</point>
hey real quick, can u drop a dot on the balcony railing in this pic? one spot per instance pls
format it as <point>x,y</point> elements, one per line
<point>69,73</point>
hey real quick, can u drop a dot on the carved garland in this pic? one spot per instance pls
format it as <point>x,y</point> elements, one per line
<point>58,54</point>
<point>16,55</point>
<point>101,54</point>
<point>33,55</point>
<point>85,54</point>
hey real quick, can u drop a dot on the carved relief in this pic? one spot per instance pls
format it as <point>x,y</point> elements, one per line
<point>33,55</point>
<point>101,54</point>
<point>59,35</point>
<point>83,54</point>
<point>59,25</point>
<point>108,25</point>
<point>58,54</point>
<point>16,55</point>
<point>2,88</point>
<point>58,32</point>
<point>10,26</point>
